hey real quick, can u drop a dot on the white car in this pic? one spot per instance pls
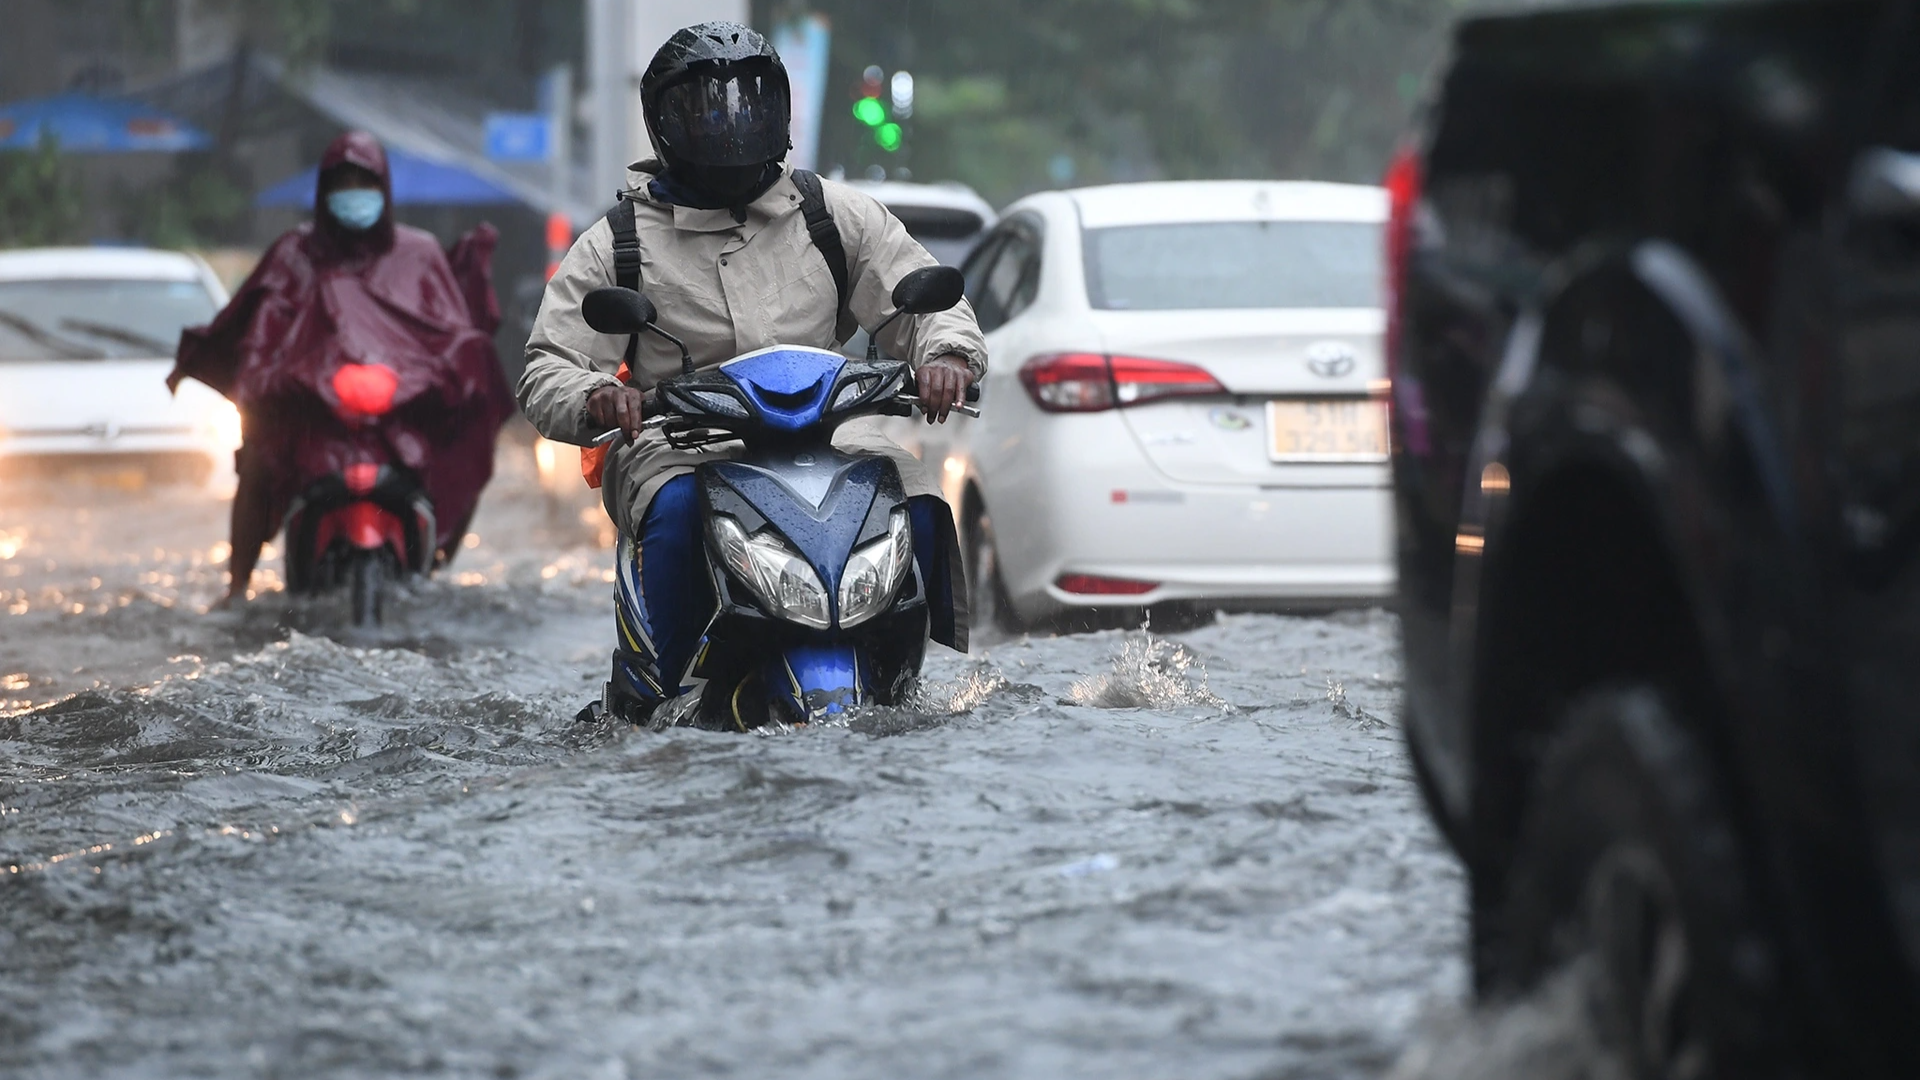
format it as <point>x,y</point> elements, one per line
<point>948,219</point>
<point>87,337</point>
<point>1186,402</point>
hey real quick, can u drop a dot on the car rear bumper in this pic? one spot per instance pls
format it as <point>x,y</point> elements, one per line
<point>1325,544</point>
<point>169,457</point>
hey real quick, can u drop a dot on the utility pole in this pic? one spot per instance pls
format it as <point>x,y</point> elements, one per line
<point>610,69</point>
<point>622,36</point>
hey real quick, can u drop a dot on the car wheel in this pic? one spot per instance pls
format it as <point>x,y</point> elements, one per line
<point>1627,863</point>
<point>987,593</point>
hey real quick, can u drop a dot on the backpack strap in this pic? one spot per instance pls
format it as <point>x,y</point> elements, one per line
<point>825,234</point>
<point>626,258</point>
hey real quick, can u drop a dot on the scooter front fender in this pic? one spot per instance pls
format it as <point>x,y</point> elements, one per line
<point>814,682</point>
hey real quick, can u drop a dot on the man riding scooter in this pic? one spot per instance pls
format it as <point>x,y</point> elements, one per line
<point>739,253</point>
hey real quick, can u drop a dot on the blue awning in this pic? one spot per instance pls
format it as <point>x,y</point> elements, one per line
<point>90,125</point>
<point>416,182</point>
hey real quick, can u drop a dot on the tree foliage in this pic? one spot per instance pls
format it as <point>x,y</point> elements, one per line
<point>1018,94</point>
<point>40,201</point>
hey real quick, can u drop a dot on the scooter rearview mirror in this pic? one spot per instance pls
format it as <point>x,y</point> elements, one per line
<point>930,289</point>
<point>614,310</point>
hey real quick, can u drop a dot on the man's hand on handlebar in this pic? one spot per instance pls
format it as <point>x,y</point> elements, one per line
<point>943,383</point>
<point>623,407</point>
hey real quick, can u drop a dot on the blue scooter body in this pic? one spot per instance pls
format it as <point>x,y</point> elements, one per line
<point>783,521</point>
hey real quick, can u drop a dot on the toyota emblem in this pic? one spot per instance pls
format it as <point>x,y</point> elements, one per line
<point>1330,359</point>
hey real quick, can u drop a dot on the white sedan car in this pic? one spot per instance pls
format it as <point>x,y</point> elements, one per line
<point>1186,403</point>
<point>87,336</point>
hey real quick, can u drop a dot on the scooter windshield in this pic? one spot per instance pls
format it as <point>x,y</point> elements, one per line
<point>788,384</point>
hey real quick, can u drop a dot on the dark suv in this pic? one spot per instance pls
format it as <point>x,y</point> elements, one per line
<point>1655,348</point>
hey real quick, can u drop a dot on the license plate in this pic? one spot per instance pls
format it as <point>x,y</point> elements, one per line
<point>1328,429</point>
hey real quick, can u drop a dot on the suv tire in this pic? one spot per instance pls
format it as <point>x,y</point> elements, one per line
<point>1627,858</point>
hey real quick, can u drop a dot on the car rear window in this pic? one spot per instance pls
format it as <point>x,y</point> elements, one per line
<point>98,320</point>
<point>1234,264</point>
<point>940,222</point>
<point>949,233</point>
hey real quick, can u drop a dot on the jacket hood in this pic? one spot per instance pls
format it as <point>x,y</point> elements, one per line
<point>642,171</point>
<point>362,149</point>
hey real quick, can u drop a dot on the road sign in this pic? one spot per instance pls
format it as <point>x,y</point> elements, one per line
<point>519,136</point>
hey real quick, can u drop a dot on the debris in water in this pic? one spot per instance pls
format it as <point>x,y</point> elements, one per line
<point>1099,864</point>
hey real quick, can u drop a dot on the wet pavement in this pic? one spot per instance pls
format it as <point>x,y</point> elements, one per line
<point>249,844</point>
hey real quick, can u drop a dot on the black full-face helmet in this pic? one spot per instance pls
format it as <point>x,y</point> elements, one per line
<point>716,99</point>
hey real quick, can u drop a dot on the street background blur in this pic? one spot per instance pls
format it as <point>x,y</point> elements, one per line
<point>190,123</point>
<point>250,843</point>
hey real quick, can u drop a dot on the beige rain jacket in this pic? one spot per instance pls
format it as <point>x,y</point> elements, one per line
<point>726,289</point>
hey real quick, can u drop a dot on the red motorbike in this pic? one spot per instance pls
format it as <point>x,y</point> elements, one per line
<point>363,522</point>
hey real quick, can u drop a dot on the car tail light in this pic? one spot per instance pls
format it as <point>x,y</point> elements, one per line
<point>1403,182</point>
<point>1090,382</point>
<point>1095,585</point>
<point>1069,382</point>
<point>1137,381</point>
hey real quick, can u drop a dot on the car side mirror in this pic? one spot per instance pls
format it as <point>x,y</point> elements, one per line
<point>614,310</point>
<point>930,289</point>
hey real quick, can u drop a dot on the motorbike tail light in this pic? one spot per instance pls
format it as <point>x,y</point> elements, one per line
<point>1136,381</point>
<point>365,390</point>
<point>1069,382</point>
<point>1095,585</point>
<point>365,526</point>
<point>1089,382</point>
<point>1404,182</point>
<point>362,477</point>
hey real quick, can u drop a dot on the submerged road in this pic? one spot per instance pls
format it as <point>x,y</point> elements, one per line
<point>244,844</point>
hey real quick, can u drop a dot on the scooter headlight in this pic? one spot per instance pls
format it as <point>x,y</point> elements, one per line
<point>874,573</point>
<point>776,573</point>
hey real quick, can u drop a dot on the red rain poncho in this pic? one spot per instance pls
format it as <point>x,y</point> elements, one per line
<point>324,297</point>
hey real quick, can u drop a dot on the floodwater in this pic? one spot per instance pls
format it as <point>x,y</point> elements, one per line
<point>248,844</point>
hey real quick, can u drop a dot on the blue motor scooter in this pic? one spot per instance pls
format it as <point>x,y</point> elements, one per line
<point>826,593</point>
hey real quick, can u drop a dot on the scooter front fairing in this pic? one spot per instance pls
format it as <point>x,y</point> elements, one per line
<point>820,603</point>
<point>821,597</point>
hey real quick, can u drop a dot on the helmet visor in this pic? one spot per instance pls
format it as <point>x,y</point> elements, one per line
<point>727,117</point>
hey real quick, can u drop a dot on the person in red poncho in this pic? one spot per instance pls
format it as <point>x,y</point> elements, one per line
<point>352,287</point>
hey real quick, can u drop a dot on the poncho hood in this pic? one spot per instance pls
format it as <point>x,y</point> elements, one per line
<point>361,149</point>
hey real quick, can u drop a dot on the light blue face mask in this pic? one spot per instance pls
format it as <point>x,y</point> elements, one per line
<point>356,208</point>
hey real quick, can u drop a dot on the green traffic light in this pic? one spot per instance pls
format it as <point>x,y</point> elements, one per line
<point>889,137</point>
<point>870,112</point>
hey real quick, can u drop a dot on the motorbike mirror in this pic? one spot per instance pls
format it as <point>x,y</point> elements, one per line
<point>930,289</point>
<point>614,310</point>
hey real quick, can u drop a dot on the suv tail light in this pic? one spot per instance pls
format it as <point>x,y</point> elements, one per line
<point>1403,183</point>
<point>1090,382</point>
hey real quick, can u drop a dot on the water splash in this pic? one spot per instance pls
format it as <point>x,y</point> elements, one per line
<point>1149,673</point>
<point>1347,710</point>
<point>1548,1035</point>
<point>960,696</point>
